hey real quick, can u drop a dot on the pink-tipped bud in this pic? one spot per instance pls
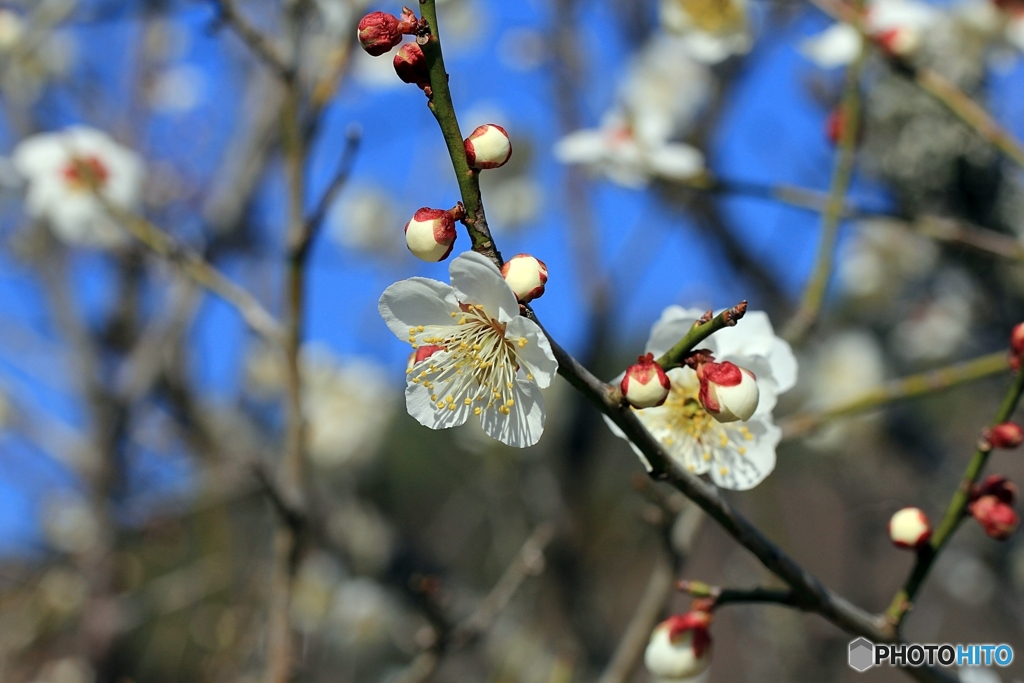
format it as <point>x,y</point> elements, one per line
<point>411,65</point>
<point>995,485</point>
<point>834,125</point>
<point>680,647</point>
<point>1017,339</point>
<point>379,31</point>
<point>727,391</point>
<point>909,528</point>
<point>430,235</point>
<point>645,384</point>
<point>998,519</point>
<point>525,276</point>
<point>421,354</point>
<point>900,42</point>
<point>1005,435</point>
<point>488,147</point>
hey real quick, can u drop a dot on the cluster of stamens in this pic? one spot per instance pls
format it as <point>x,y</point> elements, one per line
<point>687,416</point>
<point>475,363</point>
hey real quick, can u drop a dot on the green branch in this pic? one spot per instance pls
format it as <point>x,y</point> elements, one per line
<point>912,386</point>
<point>441,106</point>
<point>902,602</point>
<point>675,356</point>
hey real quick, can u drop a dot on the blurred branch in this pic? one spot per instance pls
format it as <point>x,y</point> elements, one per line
<point>341,176</point>
<point>933,83</point>
<point>817,287</point>
<point>529,561</point>
<point>902,602</point>
<point>913,386</point>
<point>192,265</point>
<point>261,45</point>
<point>630,650</point>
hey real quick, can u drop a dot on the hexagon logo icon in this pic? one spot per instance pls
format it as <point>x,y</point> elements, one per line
<point>862,654</point>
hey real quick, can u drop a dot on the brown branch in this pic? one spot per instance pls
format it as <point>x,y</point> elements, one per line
<point>261,45</point>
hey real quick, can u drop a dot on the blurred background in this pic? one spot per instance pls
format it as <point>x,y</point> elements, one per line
<point>673,152</point>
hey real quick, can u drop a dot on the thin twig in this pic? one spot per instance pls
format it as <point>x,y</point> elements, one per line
<point>814,294</point>
<point>341,176</point>
<point>913,386</point>
<point>193,266</point>
<point>261,45</point>
<point>902,602</point>
<point>699,332</point>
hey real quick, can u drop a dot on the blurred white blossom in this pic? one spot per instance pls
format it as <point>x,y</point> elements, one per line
<point>711,30</point>
<point>59,167</point>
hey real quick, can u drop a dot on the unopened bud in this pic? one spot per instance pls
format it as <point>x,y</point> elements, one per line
<point>909,528</point>
<point>525,276</point>
<point>421,354</point>
<point>1005,435</point>
<point>680,646</point>
<point>488,147</point>
<point>900,42</point>
<point>1017,339</point>
<point>645,384</point>
<point>379,32</point>
<point>998,519</point>
<point>834,125</point>
<point>411,65</point>
<point>430,235</point>
<point>727,391</point>
<point>995,485</point>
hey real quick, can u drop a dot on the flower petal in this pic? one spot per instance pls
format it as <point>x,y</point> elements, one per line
<point>673,325</point>
<point>536,354</point>
<point>425,410</point>
<point>524,424</point>
<point>838,45</point>
<point>676,161</point>
<point>414,302</point>
<point>740,472</point>
<point>478,281</point>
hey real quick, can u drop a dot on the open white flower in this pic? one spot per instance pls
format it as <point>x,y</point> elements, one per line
<point>712,30</point>
<point>489,360</point>
<point>904,21</point>
<point>59,168</point>
<point>627,159</point>
<point>736,455</point>
<point>660,98</point>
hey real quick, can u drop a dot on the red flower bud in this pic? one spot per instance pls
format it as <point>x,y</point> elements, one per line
<point>1017,339</point>
<point>1005,435</point>
<point>645,384</point>
<point>834,125</point>
<point>411,65</point>
<point>379,32</point>
<point>996,485</point>
<point>997,518</point>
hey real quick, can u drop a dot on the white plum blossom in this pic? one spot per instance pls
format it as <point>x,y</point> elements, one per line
<point>489,360</point>
<point>659,100</point>
<point>902,22</point>
<point>616,150</point>
<point>59,169</point>
<point>736,455</point>
<point>711,30</point>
